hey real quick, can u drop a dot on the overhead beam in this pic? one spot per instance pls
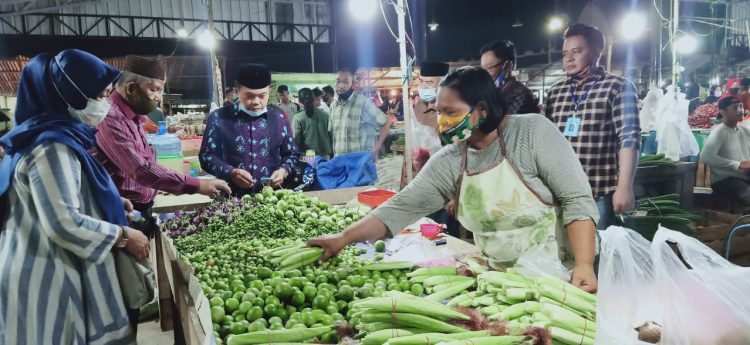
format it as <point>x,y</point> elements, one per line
<point>67,5</point>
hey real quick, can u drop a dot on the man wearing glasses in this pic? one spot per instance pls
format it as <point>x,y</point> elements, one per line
<point>498,58</point>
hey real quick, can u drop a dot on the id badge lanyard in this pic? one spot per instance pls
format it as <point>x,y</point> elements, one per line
<point>573,125</point>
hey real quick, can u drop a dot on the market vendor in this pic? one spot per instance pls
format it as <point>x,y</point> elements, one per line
<point>516,179</point>
<point>249,141</point>
<point>727,152</point>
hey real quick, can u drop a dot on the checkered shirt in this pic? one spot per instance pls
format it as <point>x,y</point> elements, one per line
<point>609,122</point>
<point>355,124</point>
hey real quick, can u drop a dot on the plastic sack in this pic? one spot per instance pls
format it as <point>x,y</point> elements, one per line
<point>704,298</point>
<point>538,260</point>
<point>349,170</point>
<point>673,133</point>
<point>627,290</point>
<point>648,113</point>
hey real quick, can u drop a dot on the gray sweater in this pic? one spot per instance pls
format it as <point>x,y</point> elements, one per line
<point>725,148</point>
<point>539,152</point>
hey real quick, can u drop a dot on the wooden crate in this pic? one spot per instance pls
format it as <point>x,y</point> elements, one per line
<point>714,230</point>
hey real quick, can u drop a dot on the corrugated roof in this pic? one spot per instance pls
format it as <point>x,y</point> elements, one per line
<point>185,74</point>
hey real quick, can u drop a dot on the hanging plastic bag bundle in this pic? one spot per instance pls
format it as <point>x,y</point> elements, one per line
<point>673,134</point>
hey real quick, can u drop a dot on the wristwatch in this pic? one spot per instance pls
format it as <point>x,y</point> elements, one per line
<point>124,240</point>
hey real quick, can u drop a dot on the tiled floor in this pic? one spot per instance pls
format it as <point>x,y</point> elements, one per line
<point>149,333</point>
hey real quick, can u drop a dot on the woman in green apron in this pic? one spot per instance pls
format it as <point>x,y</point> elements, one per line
<point>517,181</point>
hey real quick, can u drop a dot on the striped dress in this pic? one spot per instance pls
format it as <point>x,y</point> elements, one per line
<point>58,283</point>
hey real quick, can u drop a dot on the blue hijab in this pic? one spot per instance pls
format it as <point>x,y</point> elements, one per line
<point>42,117</point>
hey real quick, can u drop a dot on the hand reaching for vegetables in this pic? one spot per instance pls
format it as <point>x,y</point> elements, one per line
<point>278,177</point>
<point>213,188</point>
<point>242,178</point>
<point>583,277</point>
<point>331,244</point>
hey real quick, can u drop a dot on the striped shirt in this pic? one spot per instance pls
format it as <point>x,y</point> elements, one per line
<point>122,147</point>
<point>58,283</point>
<point>609,122</point>
<point>355,124</point>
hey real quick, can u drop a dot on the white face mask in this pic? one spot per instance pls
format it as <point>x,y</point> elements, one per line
<point>428,95</point>
<point>252,113</point>
<point>717,93</point>
<point>95,110</point>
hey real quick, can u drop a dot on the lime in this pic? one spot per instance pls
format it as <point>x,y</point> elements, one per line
<point>239,317</point>
<point>308,319</point>
<point>364,292</point>
<point>299,326</point>
<point>310,292</point>
<point>248,297</point>
<point>258,302</point>
<point>282,313</point>
<point>254,313</point>
<point>321,279</point>
<point>264,273</point>
<point>283,291</point>
<point>332,309</point>
<point>274,319</point>
<point>417,289</point>
<point>342,305</point>
<point>257,284</point>
<point>232,304</point>
<point>245,307</point>
<point>326,319</point>
<point>256,327</point>
<point>263,321</point>
<point>273,300</point>
<point>217,314</point>
<point>298,299</point>
<point>289,324</point>
<point>394,287</point>
<point>216,302</point>
<point>380,246</point>
<point>320,302</point>
<point>405,286</point>
<point>345,293</point>
<point>270,310</point>
<point>356,281</point>
<point>338,317</point>
<point>237,328</point>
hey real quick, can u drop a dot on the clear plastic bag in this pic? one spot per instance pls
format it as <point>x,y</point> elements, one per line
<point>648,113</point>
<point>705,303</point>
<point>538,260</point>
<point>627,290</point>
<point>673,134</point>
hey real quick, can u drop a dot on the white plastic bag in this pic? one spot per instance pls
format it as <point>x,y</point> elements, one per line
<point>707,303</point>
<point>538,260</point>
<point>627,291</point>
<point>673,134</point>
<point>648,114</point>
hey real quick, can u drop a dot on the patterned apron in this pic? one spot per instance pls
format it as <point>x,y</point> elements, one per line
<point>505,216</point>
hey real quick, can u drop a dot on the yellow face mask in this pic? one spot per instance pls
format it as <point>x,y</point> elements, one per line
<point>457,128</point>
<point>447,122</point>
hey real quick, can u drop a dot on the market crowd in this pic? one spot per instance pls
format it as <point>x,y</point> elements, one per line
<point>514,173</point>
